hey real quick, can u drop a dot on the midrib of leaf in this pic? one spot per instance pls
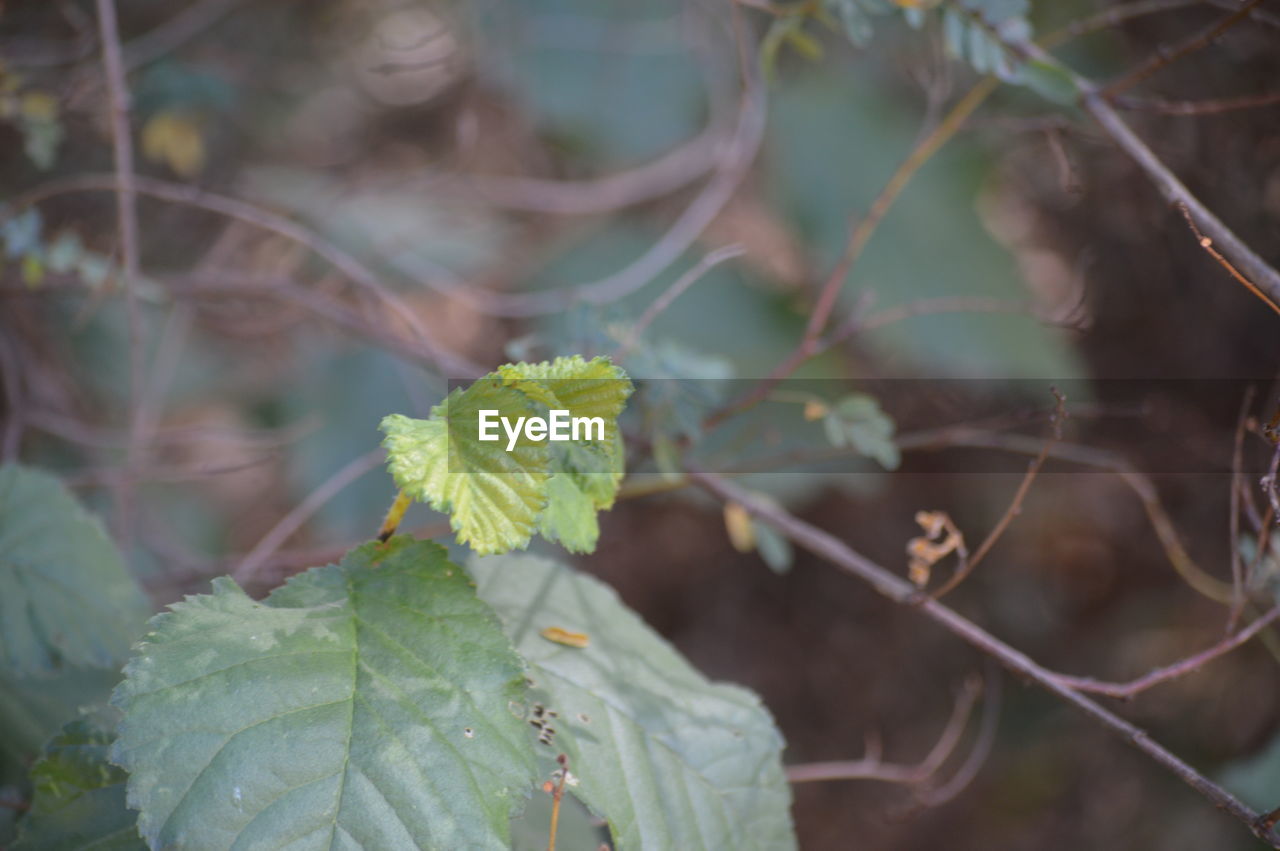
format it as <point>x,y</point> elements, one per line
<point>351,725</point>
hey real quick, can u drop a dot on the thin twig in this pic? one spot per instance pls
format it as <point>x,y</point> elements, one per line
<point>860,234</point>
<point>1213,106</point>
<point>1128,690</point>
<point>673,292</point>
<point>294,520</point>
<point>838,553</point>
<point>191,196</point>
<point>1251,266</point>
<point>1015,505</point>
<point>872,767</point>
<point>985,741</point>
<point>1238,578</point>
<point>1165,56</point>
<point>1111,17</point>
<point>127,222</point>
<point>557,795</point>
<point>1207,244</point>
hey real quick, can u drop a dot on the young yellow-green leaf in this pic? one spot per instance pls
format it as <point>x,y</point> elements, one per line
<point>587,388</point>
<point>363,705</point>
<point>493,496</point>
<point>79,798</point>
<point>66,597</point>
<point>668,758</point>
<point>498,498</point>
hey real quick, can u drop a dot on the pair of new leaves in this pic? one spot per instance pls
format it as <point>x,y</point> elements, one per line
<point>497,498</point>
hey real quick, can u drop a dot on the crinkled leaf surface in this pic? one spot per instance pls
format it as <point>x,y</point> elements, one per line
<point>67,597</point>
<point>670,759</point>
<point>362,705</point>
<point>79,799</point>
<point>493,497</point>
<point>498,498</point>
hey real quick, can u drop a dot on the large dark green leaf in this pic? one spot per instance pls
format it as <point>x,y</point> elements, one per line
<point>67,597</point>
<point>366,704</point>
<point>670,759</point>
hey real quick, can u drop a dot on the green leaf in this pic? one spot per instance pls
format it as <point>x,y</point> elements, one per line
<point>32,709</point>
<point>68,598</point>
<point>775,550</point>
<point>368,704</point>
<point>857,421</point>
<point>670,759</point>
<point>79,798</point>
<point>493,496</point>
<point>498,498</point>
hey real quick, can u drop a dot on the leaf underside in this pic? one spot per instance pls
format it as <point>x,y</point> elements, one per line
<point>670,759</point>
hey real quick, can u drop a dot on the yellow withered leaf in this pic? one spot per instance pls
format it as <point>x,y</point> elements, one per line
<point>565,637</point>
<point>737,522</point>
<point>174,139</point>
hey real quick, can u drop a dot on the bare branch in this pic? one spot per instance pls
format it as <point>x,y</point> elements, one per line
<point>1095,103</point>
<point>301,513</point>
<point>1127,690</point>
<point>1015,505</point>
<point>1165,56</point>
<point>838,553</point>
<point>872,767</point>
<point>673,292</point>
<point>191,196</point>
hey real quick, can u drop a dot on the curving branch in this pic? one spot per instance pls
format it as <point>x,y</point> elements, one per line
<point>454,365</point>
<point>1094,101</point>
<point>900,591</point>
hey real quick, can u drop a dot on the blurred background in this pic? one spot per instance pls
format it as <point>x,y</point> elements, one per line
<point>343,204</point>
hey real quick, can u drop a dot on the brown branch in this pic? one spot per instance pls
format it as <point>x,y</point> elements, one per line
<point>673,292</point>
<point>872,767</point>
<point>1165,56</point>
<point>860,234</point>
<point>1214,106</point>
<point>898,590</point>
<point>234,208</point>
<point>932,797</point>
<point>1238,578</point>
<point>1128,690</point>
<point>1251,266</point>
<point>1015,505</point>
<point>1111,17</point>
<point>734,161</point>
<point>1207,244</point>
<point>127,222</point>
<point>294,520</point>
